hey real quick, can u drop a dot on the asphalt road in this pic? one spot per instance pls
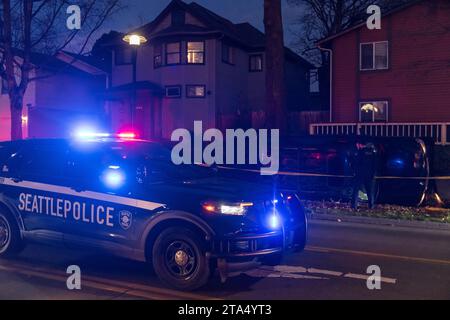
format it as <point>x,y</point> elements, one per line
<point>415,264</point>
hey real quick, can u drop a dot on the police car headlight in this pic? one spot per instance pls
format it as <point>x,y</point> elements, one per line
<point>234,209</point>
<point>113,177</point>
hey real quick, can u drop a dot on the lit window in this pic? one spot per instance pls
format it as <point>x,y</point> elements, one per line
<point>157,56</point>
<point>173,53</point>
<point>374,56</point>
<point>256,63</point>
<point>195,91</point>
<point>196,52</point>
<point>173,91</point>
<point>373,111</point>
<point>227,53</point>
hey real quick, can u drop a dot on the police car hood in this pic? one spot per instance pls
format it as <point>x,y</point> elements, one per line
<point>220,188</point>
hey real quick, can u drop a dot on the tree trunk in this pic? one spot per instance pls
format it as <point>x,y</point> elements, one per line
<point>16,118</point>
<point>276,111</point>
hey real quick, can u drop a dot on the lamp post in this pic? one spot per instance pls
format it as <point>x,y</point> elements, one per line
<point>134,40</point>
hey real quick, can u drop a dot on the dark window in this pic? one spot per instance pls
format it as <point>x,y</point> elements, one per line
<point>374,56</point>
<point>178,18</point>
<point>173,91</point>
<point>173,53</point>
<point>195,91</point>
<point>373,111</point>
<point>124,56</point>
<point>43,163</point>
<point>256,63</point>
<point>157,56</point>
<point>196,52</point>
<point>227,53</point>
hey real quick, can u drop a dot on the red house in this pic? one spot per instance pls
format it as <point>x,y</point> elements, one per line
<point>394,81</point>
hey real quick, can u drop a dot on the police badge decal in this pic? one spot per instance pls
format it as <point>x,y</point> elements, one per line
<point>125,219</point>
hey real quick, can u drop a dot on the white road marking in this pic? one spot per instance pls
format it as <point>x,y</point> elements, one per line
<point>266,273</point>
<point>300,272</point>
<point>325,272</point>
<point>365,277</point>
<point>290,269</point>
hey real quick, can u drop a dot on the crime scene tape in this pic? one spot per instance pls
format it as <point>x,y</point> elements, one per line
<point>305,174</point>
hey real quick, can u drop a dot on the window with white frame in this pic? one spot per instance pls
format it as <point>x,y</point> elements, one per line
<point>173,92</point>
<point>373,111</point>
<point>374,56</point>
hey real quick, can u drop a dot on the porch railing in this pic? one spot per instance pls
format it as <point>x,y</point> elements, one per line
<point>439,132</point>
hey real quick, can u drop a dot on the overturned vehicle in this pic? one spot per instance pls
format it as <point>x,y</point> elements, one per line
<point>321,168</point>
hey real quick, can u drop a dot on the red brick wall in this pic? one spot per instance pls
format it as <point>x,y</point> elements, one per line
<point>417,83</point>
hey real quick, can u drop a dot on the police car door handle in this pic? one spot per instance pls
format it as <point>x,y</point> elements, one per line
<point>16,180</point>
<point>77,189</point>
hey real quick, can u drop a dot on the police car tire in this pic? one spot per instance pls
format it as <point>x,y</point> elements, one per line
<point>199,277</point>
<point>15,243</point>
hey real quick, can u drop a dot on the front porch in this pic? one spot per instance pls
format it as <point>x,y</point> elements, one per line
<point>135,108</point>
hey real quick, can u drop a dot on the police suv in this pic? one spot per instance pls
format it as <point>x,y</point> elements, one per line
<point>126,197</point>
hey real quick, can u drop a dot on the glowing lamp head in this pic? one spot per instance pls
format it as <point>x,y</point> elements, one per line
<point>134,39</point>
<point>113,177</point>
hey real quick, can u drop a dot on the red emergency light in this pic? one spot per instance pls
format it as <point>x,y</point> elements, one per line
<point>127,135</point>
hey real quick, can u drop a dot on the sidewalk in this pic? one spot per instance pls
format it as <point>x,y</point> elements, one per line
<point>388,215</point>
<point>381,221</point>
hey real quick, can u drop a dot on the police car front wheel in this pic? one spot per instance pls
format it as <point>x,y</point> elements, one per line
<point>179,259</point>
<point>10,240</point>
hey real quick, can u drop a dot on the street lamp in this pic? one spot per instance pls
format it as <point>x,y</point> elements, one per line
<point>134,40</point>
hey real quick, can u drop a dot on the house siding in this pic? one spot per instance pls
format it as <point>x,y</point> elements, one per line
<point>418,79</point>
<point>232,91</point>
<point>5,112</point>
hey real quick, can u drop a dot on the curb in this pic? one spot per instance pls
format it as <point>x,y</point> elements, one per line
<point>382,221</point>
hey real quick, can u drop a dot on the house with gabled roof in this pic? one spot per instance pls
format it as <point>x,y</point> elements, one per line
<point>393,81</point>
<point>65,91</point>
<point>195,65</point>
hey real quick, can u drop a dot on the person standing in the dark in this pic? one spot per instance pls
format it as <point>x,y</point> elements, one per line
<point>365,167</point>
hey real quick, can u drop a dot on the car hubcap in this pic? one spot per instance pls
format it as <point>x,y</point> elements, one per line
<point>180,259</point>
<point>4,233</point>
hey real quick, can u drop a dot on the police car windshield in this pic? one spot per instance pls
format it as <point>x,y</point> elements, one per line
<point>155,159</point>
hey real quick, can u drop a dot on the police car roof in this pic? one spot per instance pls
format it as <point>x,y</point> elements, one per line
<point>67,142</point>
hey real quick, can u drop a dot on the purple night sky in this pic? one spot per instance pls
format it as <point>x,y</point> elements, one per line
<point>140,12</point>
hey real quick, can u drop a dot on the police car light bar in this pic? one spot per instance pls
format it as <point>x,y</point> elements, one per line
<point>127,135</point>
<point>91,135</point>
<point>82,134</point>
